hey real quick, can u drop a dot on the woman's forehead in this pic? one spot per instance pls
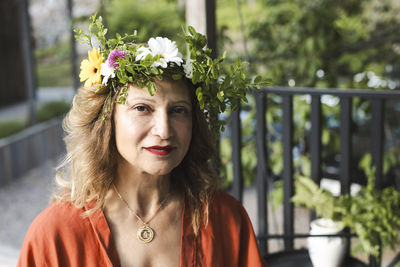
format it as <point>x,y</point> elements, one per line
<point>166,89</point>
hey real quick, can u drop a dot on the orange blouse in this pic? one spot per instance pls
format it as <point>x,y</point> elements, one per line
<point>59,236</point>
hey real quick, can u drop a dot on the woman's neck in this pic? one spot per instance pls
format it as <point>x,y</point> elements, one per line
<point>142,191</point>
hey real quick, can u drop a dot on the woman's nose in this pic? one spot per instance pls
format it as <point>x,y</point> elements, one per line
<point>162,125</point>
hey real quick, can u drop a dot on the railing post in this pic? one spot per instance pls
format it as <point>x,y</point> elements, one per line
<point>376,152</point>
<point>377,139</point>
<point>345,143</point>
<point>315,142</point>
<point>288,169</point>
<point>261,141</point>
<point>345,148</point>
<point>237,189</point>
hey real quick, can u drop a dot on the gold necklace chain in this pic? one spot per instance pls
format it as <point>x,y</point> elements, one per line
<point>145,233</point>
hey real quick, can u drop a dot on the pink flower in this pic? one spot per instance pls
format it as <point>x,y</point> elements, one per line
<point>114,57</point>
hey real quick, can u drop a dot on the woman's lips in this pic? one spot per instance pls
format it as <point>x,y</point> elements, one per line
<point>160,150</point>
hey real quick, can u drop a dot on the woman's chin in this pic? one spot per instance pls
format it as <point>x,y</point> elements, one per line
<point>161,171</point>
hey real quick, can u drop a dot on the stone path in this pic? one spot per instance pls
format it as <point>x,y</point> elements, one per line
<point>23,199</point>
<point>20,202</point>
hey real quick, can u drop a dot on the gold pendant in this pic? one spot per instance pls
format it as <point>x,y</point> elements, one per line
<point>145,234</point>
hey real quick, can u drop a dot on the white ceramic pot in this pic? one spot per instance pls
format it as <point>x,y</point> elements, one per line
<point>326,251</point>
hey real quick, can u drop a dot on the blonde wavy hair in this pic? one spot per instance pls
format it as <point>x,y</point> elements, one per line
<point>88,170</point>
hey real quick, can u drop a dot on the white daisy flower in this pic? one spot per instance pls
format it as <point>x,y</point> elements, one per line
<point>106,72</point>
<point>188,68</point>
<point>164,48</point>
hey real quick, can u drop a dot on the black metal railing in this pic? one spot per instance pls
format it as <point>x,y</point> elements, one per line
<point>378,99</point>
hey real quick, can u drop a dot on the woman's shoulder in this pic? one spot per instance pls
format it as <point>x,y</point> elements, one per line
<point>223,204</point>
<point>223,198</point>
<point>58,212</point>
<point>56,219</point>
<point>61,236</point>
<point>229,239</point>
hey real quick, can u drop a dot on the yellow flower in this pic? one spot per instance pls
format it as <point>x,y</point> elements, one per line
<point>90,69</point>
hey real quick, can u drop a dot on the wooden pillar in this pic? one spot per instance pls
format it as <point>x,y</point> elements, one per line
<point>196,15</point>
<point>29,65</point>
<point>201,15</point>
<point>12,73</point>
<point>76,82</point>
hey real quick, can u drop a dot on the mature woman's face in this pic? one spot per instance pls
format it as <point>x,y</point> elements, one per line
<point>153,133</point>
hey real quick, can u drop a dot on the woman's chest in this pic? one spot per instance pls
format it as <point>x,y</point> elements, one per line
<point>162,250</point>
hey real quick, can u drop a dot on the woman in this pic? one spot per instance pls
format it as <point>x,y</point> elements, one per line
<point>139,190</point>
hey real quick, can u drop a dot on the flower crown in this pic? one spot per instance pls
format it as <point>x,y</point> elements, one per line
<point>128,62</point>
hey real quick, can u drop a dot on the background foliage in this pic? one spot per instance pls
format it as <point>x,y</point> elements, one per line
<point>324,44</point>
<point>150,18</point>
<point>319,43</point>
<point>293,39</point>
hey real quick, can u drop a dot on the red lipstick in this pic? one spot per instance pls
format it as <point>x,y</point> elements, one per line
<point>159,150</point>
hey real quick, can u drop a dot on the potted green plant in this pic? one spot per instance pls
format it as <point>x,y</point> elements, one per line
<point>372,214</point>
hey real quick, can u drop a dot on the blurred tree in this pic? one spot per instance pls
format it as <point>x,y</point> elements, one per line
<point>150,18</point>
<point>294,39</point>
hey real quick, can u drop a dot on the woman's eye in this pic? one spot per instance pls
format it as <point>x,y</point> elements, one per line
<point>180,110</point>
<point>141,108</point>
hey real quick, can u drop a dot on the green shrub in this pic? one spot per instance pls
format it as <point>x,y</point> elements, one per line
<point>57,52</point>
<point>8,128</point>
<point>54,65</point>
<point>51,110</point>
<point>45,112</point>
<point>55,74</point>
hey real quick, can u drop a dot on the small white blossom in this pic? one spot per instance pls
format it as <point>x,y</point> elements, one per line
<point>188,68</point>
<point>142,53</point>
<point>162,47</point>
<point>107,72</point>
